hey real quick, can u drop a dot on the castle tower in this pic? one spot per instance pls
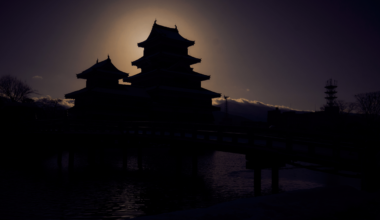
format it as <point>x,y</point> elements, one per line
<point>166,75</point>
<point>104,98</point>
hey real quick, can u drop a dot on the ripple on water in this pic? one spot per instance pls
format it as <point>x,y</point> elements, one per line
<point>166,184</point>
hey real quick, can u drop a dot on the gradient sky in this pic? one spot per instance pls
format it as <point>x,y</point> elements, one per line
<point>277,52</point>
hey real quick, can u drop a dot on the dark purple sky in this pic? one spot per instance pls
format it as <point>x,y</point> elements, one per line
<point>277,52</point>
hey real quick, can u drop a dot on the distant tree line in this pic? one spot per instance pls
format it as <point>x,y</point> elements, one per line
<point>367,104</point>
<point>13,90</point>
<point>51,108</point>
<point>344,107</point>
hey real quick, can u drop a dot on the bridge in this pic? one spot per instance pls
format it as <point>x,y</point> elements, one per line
<point>264,147</point>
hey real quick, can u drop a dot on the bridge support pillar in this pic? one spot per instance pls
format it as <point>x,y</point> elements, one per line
<point>289,144</point>
<point>257,181</point>
<point>71,161</point>
<point>261,160</point>
<point>251,137</point>
<point>269,142</point>
<point>96,152</point>
<point>194,163</point>
<point>125,154</point>
<point>139,158</point>
<point>275,179</point>
<point>177,154</point>
<point>311,149</point>
<point>59,159</point>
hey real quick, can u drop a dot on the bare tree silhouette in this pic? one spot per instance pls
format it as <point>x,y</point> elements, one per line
<point>322,108</point>
<point>369,105</point>
<point>341,104</point>
<point>14,89</point>
<point>351,107</point>
<point>344,106</point>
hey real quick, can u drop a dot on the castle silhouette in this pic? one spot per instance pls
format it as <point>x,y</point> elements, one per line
<point>166,89</point>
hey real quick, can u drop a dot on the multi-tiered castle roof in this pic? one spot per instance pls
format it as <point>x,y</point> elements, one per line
<point>166,82</point>
<point>167,76</point>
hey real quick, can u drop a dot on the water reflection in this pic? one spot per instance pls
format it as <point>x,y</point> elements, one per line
<point>36,189</point>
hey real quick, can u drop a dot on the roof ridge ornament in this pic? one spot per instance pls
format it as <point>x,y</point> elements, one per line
<point>97,60</point>
<point>109,57</point>
<point>155,21</point>
<point>176,27</point>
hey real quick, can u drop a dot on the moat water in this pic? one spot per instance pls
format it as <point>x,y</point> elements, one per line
<point>35,189</point>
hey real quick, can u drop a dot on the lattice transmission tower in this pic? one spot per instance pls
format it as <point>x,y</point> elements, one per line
<point>330,91</point>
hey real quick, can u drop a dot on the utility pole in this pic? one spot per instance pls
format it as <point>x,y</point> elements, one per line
<point>225,98</point>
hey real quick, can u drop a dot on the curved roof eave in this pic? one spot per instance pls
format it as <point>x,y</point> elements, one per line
<point>107,74</point>
<point>105,66</point>
<point>177,89</point>
<point>148,41</point>
<point>159,54</point>
<point>159,31</point>
<point>195,75</point>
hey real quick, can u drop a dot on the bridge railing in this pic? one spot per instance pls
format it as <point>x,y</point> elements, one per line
<point>178,125</point>
<point>216,132</point>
